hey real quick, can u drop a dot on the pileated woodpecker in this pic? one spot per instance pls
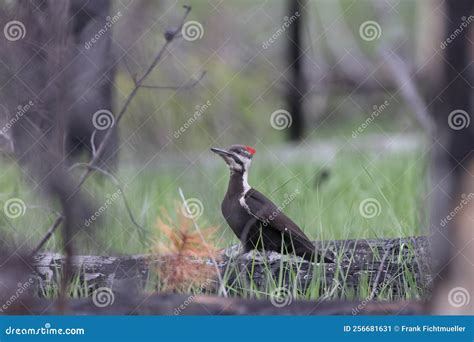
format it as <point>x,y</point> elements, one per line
<point>257,221</point>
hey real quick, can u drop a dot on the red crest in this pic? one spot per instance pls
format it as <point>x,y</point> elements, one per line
<point>250,150</point>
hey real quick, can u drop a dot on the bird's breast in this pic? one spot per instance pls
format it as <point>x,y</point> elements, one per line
<point>235,214</point>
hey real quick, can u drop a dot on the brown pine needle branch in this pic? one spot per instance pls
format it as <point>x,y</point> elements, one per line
<point>183,251</point>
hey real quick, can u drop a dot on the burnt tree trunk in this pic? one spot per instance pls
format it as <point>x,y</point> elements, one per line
<point>453,165</point>
<point>93,75</point>
<point>296,87</point>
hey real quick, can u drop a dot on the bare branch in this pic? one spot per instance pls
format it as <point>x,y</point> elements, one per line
<point>91,166</point>
<point>49,233</point>
<point>398,71</point>
<point>94,151</point>
<point>408,90</point>
<point>133,76</point>
<point>169,38</point>
<point>402,78</point>
<point>141,229</point>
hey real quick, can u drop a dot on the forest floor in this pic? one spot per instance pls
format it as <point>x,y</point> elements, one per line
<point>373,190</point>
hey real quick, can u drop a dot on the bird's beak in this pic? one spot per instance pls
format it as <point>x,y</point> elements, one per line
<point>220,151</point>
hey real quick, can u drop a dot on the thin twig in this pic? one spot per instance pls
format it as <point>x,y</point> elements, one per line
<point>133,76</point>
<point>397,69</point>
<point>49,233</point>
<point>129,99</point>
<point>94,151</point>
<point>211,256</point>
<point>408,90</point>
<point>401,75</point>
<point>170,36</point>
<point>141,229</point>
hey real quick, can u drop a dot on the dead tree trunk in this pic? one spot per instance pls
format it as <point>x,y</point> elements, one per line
<point>296,87</point>
<point>92,87</point>
<point>452,169</point>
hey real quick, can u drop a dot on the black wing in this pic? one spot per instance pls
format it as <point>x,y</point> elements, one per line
<point>267,212</point>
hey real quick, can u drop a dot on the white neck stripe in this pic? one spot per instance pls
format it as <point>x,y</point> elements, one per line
<point>245,182</point>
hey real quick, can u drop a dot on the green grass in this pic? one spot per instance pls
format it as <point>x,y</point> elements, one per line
<point>320,288</point>
<point>244,92</point>
<point>325,211</point>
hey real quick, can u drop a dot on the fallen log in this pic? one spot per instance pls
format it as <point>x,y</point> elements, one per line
<point>382,263</point>
<point>177,304</point>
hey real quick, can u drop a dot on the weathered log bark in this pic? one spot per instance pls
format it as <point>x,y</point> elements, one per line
<point>380,261</point>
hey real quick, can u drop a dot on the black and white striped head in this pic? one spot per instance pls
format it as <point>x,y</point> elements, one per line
<point>237,157</point>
